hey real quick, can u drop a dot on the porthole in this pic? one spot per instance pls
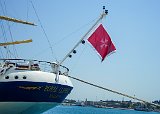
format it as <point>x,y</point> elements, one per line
<point>16,77</point>
<point>7,77</point>
<point>24,77</point>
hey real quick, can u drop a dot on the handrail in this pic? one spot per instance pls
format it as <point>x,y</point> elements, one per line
<point>51,63</point>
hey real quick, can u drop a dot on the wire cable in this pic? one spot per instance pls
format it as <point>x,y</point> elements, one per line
<point>75,31</point>
<point>50,46</point>
<point>9,29</point>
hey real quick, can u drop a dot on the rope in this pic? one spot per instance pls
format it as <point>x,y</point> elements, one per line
<point>113,91</point>
<point>75,31</point>
<point>78,59</point>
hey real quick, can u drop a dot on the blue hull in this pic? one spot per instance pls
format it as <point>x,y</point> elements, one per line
<point>23,91</point>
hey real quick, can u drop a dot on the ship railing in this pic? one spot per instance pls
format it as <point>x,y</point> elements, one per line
<point>33,65</point>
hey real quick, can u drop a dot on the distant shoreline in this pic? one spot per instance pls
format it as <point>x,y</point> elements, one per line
<point>120,105</point>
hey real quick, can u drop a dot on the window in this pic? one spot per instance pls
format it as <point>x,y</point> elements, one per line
<point>16,77</point>
<point>7,77</point>
<point>24,77</point>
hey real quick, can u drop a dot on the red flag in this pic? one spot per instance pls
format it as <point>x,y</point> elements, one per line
<point>101,41</point>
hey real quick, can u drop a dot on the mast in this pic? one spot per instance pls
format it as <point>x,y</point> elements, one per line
<point>105,12</point>
<point>16,42</point>
<point>16,20</point>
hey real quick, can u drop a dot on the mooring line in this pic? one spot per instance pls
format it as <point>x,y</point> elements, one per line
<point>113,91</point>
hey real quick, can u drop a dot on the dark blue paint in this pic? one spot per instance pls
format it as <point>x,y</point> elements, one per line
<point>17,92</point>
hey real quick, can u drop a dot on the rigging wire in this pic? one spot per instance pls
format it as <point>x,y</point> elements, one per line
<point>3,30</point>
<point>4,35</point>
<point>27,9</point>
<point>5,40</point>
<point>78,59</point>
<point>50,46</point>
<point>14,48</point>
<point>67,36</point>
<point>9,53</point>
<point>9,28</point>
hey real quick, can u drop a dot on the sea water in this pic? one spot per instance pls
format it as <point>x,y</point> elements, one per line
<point>91,110</point>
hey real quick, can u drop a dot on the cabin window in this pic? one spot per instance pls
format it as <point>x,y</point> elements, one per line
<point>16,77</point>
<point>24,77</point>
<point>7,77</point>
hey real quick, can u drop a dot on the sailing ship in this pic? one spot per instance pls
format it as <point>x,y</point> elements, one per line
<point>27,86</point>
<point>31,86</point>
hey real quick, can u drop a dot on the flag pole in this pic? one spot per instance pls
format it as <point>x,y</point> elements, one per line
<point>105,12</point>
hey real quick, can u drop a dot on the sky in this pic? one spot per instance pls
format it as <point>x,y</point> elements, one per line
<point>133,26</point>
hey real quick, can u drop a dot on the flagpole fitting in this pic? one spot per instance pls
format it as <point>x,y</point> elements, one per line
<point>106,12</point>
<point>104,8</point>
<point>83,42</point>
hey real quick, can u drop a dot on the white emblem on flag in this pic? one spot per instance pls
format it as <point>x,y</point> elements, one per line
<point>104,42</point>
